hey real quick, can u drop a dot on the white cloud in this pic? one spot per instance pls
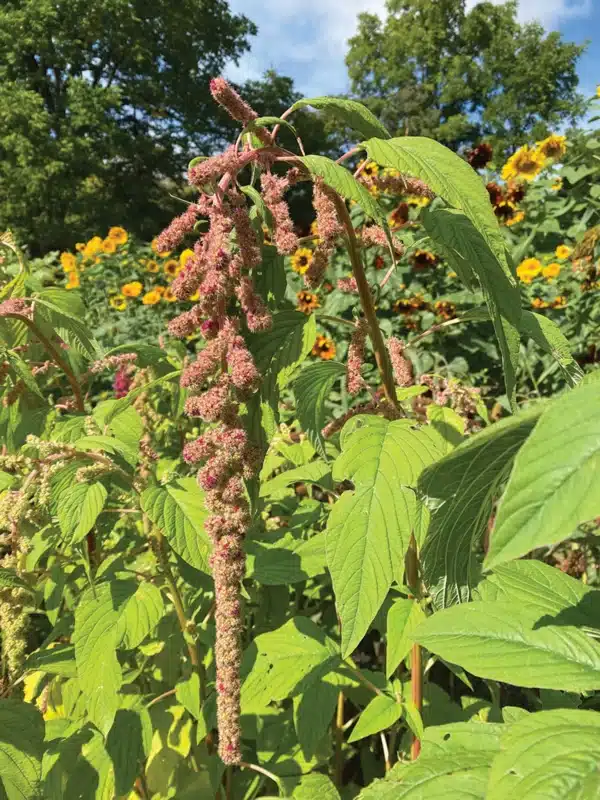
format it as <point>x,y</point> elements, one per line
<point>307,39</point>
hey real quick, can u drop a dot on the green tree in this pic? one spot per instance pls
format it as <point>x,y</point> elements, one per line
<point>101,104</point>
<point>430,68</point>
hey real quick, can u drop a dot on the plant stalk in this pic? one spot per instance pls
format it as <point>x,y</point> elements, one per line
<point>339,740</point>
<point>416,666</point>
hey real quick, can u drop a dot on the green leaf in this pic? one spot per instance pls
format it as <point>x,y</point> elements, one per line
<point>314,472</point>
<point>59,660</point>
<point>188,694</point>
<point>313,712</point>
<point>279,351</point>
<point>79,508</point>
<point>548,336</point>
<point>350,112</point>
<point>24,372</point>
<point>381,713</point>
<point>454,765</point>
<point>95,637</point>
<point>450,177</point>
<point>284,662</point>
<point>7,481</point>
<point>555,483</point>
<point>500,641</point>
<point>140,615</point>
<point>542,588</point>
<point>108,444</point>
<point>345,184</point>
<point>369,529</point>
<point>463,486</point>
<point>124,402</point>
<point>178,511</point>
<point>261,122</point>
<point>270,280</point>
<point>402,619</point>
<point>21,750</point>
<point>289,560</point>
<point>68,326</point>
<point>466,248</point>
<point>315,785</point>
<point>10,580</point>
<point>312,388</point>
<point>449,425</point>
<point>551,755</point>
<point>127,745</point>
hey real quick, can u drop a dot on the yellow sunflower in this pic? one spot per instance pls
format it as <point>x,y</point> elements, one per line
<point>537,302</point>
<point>118,235</point>
<point>562,251</point>
<point>93,247</point>
<point>151,266</point>
<point>109,246</point>
<point>559,302</point>
<point>307,302</point>
<point>553,146</point>
<point>369,169</point>
<point>529,269</point>
<point>73,282</point>
<point>160,290</point>
<point>557,185</point>
<point>68,261</point>
<point>194,297</point>
<point>172,267</point>
<point>133,289</point>
<point>323,348</point>
<point>551,271</point>
<point>183,258</point>
<point>417,200</point>
<point>151,298</point>
<point>519,216</point>
<point>444,309</point>
<point>301,260</point>
<point>80,246</point>
<point>169,296</point>
<point>118,302</point>
<point>163,254</point>
<point>526,164</point>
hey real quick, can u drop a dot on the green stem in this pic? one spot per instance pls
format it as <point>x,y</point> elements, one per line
<point>339,740</point>
<point>368,307</point>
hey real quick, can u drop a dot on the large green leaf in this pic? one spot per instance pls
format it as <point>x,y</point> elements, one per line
<point>10,579</point>
<point>551,755</point>
<point>504,642</point>
<point>289,560</point>
<point>466,248</point>
<point>555,483</point>
<point>284,662</point>
<point>369,528</point>
<point>21,750</point>
<point>55,308</point>
<point>402,619</point>
<point>140,615</point>
<point>345,184</point>
<point>127,744</point>
<point>95,637</point>
<point>178,511</point>
<point>454,765</point>
<point>450,177</point>
<point>78,509</point>
<point>314,472</point>
<point>548,336</point>
<point>279,352</point>
<point>270,280</point>
<point>312,388</point>
<point>381,713</point>
<point>313,712</point>
<point>351,113</point>
<point>463,486</point>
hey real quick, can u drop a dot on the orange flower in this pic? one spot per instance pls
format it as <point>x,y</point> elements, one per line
<point>109,246</point>
<point>323,348</point>
<point>133,289</point>
<point>151,298</point>
<point>169,296</point>
<point>307,302</point>
<point>68,262</point>
<point>551,271</point>
<point>73,282</point>
<point>118,235</point>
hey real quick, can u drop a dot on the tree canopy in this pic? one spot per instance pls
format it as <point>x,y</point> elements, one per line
<point>434,69</point>
<point>100,103</point>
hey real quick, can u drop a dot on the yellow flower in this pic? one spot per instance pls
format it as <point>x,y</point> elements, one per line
<point>307,301</point>
<point>133,289</point>
<point>370,169</point>
<point>80,246</point>
<point>323,348</point>
<point>118,235</point>
<point>537,302</point>
<point>151,266</point>
<point>68,262</point>
<point>301,260</point>
<point>73,282</point>
<point>417,200</point>
<point>562,251</point>
<point>109,246</point>
<point>551,271</point>
<point>151,298</point>
<point>92,247</point>
<point>169,296</point>
<point>172,267</point>
<point>553,146</point>
<point>194,297</point>
<point>529,269</point>
<point>184,257</point>
<point>559,302</point>
<point>163,254</point>
<point>118,302</point>
<point>517,217</point>
<point>598,90</point>
<point>557,185</point>
<point>525,164</point>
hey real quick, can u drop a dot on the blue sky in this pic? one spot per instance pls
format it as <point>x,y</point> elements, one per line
<point>306,39</point>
